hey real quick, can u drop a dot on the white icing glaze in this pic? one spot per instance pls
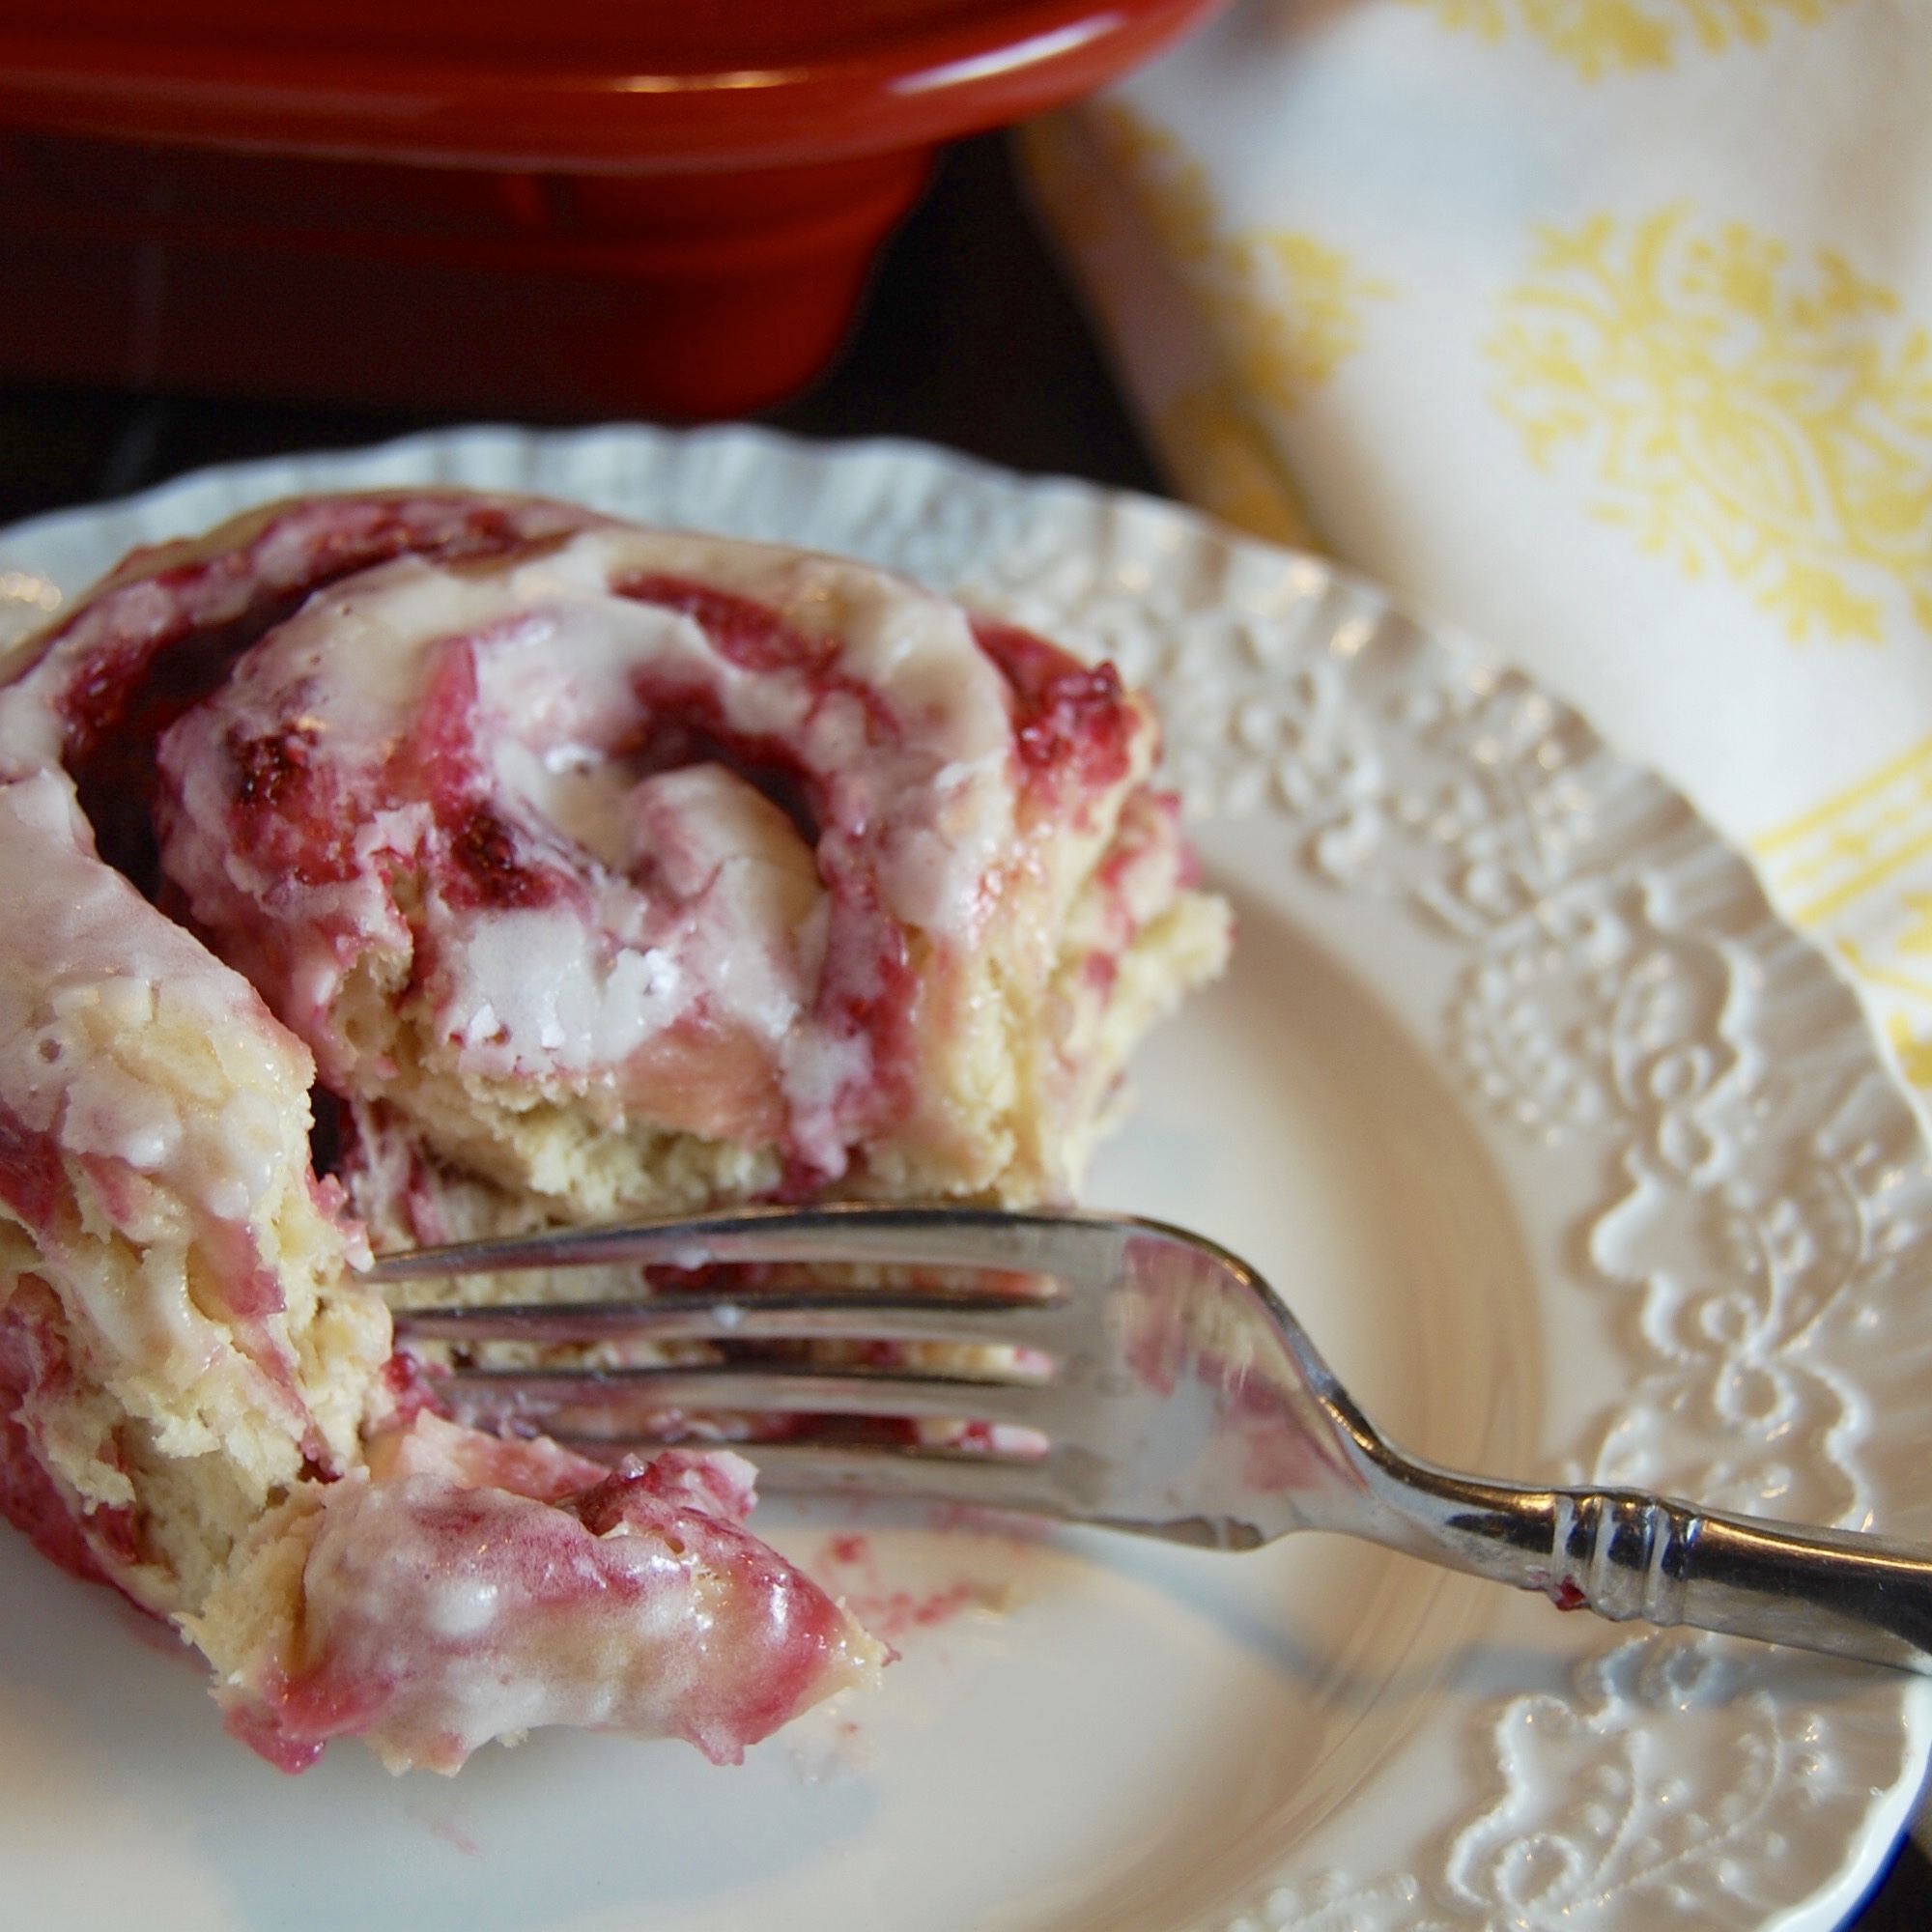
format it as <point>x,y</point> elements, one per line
<point>86,962</point>
<point>691,898</point>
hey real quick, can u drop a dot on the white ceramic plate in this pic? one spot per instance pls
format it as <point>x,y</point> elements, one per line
<point>1574,1161</point>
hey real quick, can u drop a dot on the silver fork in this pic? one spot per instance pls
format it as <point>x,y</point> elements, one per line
<point>1117,1372</point>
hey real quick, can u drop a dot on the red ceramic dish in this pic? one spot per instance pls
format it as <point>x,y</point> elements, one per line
<point>598,205</point>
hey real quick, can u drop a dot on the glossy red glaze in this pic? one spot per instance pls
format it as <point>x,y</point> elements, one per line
<point>619,86</point>
<point>602,204</point>
<point>1069,720</point>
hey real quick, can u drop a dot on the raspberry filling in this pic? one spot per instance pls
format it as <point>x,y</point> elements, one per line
<point>143,653</point>
<point>35,1376</point>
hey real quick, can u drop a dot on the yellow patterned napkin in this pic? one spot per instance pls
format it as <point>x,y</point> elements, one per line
<point>1598,330</point>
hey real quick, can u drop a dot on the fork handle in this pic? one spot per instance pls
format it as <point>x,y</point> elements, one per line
<point>1627,1554</point>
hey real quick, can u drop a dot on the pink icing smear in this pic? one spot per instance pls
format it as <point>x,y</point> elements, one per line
<point>894,1611</point>
<point>32,1180</point>
<point>443,1609</point>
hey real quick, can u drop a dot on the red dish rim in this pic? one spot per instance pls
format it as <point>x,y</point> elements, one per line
<point>482,106</point>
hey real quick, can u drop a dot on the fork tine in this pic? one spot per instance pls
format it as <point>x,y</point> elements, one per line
<point>1041,1484</point>
<point>760,1314</point>
<point>528,1395</point>
<point>982,1238</point>
<point>1142,1419</point>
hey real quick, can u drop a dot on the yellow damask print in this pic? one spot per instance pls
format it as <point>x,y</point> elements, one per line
<point>1296,312</point>
<point>1604,37</point>
<point>1288,307</point>
<point>1213,447</point>
<point>1857,872</point>
<point>1769,418</point>
<point>1848,848</point>
<point>1218,458</point>
<point>1171,185</point>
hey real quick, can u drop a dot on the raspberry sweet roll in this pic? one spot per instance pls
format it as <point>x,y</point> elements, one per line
<point>585,869</point>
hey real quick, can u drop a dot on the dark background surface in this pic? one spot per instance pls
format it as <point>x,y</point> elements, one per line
<point>970,339</point>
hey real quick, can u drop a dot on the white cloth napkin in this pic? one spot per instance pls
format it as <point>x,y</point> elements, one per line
<point>1599,329</point>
